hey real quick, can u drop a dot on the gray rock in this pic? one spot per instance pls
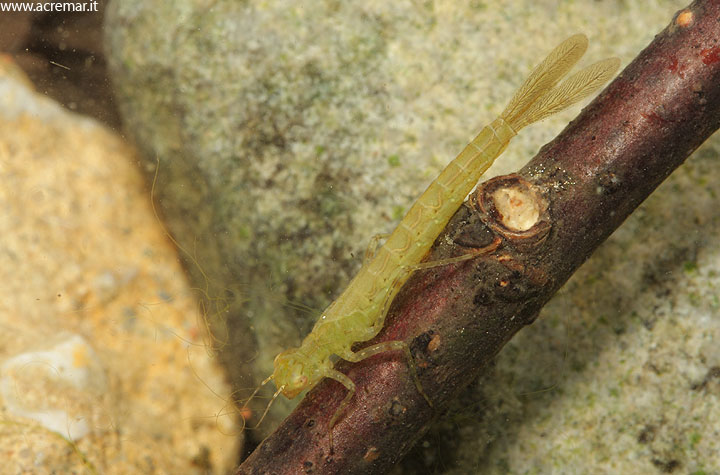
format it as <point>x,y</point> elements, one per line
<point>289,133</point>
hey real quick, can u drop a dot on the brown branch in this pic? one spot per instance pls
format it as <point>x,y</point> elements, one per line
<point>550,217</point>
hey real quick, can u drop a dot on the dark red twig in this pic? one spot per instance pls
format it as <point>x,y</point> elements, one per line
<point>574,194</point>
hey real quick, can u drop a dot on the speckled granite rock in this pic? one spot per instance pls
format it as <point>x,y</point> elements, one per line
<point>103,365</point>
<point>288,133</point>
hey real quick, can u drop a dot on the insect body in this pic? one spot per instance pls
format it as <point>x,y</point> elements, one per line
<point>359,312</point>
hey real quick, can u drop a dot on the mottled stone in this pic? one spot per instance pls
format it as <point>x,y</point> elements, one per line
<point>56,387</point>
<point>103,363</point>
<point>289,133</point>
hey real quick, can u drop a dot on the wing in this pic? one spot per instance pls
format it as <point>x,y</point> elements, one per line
<point>576,87</point>
<point>540,96</point>
<point>546,75</point>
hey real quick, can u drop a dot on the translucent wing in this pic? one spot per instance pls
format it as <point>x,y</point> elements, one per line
<point>576,87</point>
<point>546,75</point>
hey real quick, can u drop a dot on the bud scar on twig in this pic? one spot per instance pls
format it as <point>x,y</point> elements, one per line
<point>515,208</point>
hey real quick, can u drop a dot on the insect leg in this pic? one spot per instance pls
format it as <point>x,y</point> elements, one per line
<point>350,386</point>
<point>382,347</point>
<point>373,245</point>
<point>452,260</point>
